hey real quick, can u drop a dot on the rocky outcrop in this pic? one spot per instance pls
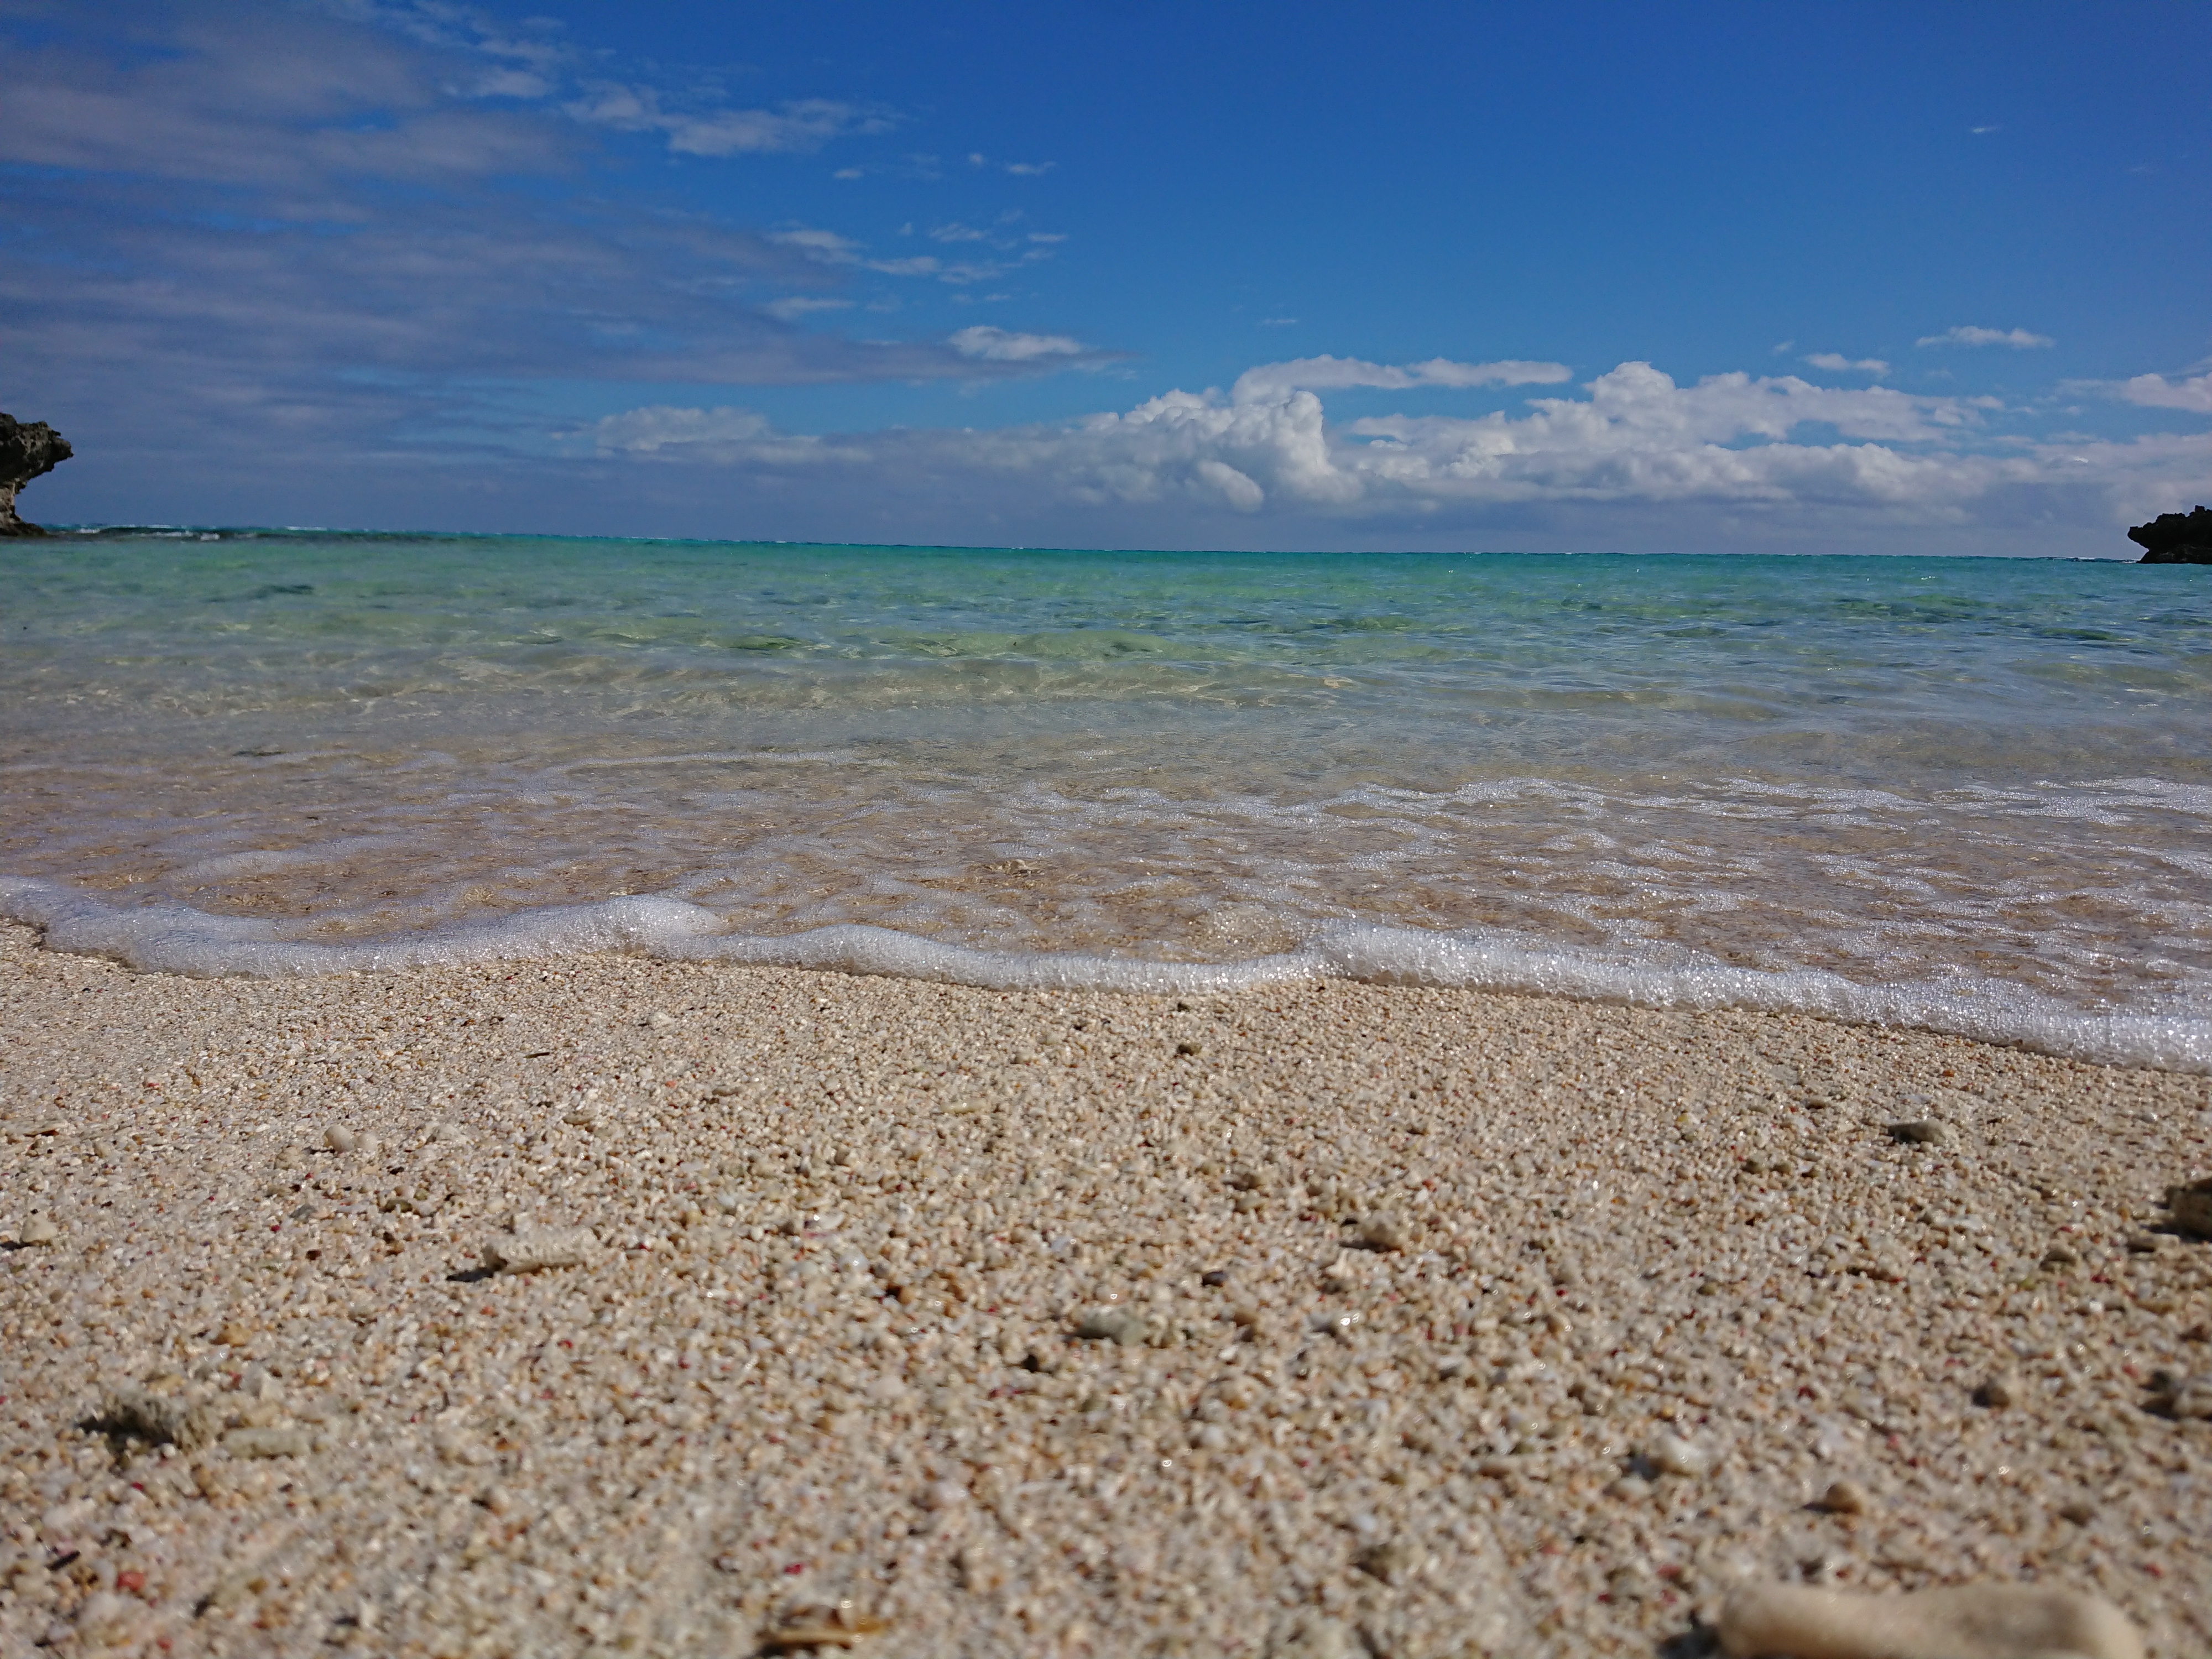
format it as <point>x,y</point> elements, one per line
<point>27,451</point>
<point>2175,539</point>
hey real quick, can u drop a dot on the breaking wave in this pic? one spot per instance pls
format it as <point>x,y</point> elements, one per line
<point>176,938</point>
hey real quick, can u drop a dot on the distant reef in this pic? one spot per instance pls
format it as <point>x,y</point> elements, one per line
<point>2175,539</point>
<point>28,450</point>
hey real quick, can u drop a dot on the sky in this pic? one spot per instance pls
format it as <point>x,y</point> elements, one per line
<point>1116,273</point>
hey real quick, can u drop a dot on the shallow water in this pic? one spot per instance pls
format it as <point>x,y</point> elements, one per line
<point>1962,793</point>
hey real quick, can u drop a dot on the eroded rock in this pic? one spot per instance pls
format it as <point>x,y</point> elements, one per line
<point>28,450</point>
<point>2175,538</point>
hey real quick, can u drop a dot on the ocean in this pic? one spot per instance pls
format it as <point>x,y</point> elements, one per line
<point>1962,794</point>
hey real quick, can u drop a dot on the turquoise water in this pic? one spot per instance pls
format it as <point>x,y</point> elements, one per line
<point>1972,786</point>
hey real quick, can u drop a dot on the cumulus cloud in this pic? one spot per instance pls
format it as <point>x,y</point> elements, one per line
<point>1967,335</point>
<point>1635,439</point>
<point>1836,363</point>
<point>2156,392</point>
<point>998,345</point>
<point>1326,374</point>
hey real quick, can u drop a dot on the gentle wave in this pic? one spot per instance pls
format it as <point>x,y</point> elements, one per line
<point>175,938</point>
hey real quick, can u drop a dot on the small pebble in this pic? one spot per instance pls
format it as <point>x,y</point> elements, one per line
<point>340,1138</point>
<point>1392,1563</point>
<point>528,1250</point>
<point>1970,1621</point>
<point>38,1229</point>
<point>268,1443</point>
<point>2060,1256</point>
<point>1843,1497</point>
<point>2188,1397</point>
<point>1997,1393</point>
<point>1922,1132</point>
<point>232,1334</point>
<point>1672,1455</point>
<point>1124,1326</point>
<point>2191,1205</point>
<point>160,1419</point>
<point>107,1619</point>
<point>1384,1233</point>
<point>1318,1638</point>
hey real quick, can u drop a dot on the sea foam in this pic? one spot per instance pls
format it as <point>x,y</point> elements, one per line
<point>176,938</point>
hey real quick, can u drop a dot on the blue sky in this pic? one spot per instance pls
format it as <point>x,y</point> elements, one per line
<point>1851,277</point>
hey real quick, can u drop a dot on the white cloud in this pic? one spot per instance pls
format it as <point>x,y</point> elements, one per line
<point>826,245</point>
<point>918,265</point>
<point>1238,491</point>
<point>2156,392</point>
<point>998,345</point>
<point>830,248</point>
<point>799,305</point>
<point>1030,169</point>
<point>1836,363</point>
<point>727,435</point>
<point>641,431</point>
<point>802,125</point>
<point>1727,443</point>
<point>956,232</point>
<point>1967,335</point>
<point>1270,380</point>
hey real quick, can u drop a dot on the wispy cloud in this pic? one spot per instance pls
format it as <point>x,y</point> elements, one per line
<point>832,248</point>
<point>1968,335</point>
<point>1326,374</point>
<point>803,124</point>
<point>1836,363</point>
<point>327,237</point>
<point>794,307</point>
<point>998,345</point>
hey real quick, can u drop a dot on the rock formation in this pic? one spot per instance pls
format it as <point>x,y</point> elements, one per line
<point>26,451</point>
<point>2175,539</point>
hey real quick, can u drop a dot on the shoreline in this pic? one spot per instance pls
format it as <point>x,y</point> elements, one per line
<point>171,938</point>
<point>1542,1323</point>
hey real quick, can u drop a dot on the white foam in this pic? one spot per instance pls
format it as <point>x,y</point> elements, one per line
<point>175,938</point>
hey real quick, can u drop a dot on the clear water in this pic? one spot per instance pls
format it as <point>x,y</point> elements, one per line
<point>1962,793</point>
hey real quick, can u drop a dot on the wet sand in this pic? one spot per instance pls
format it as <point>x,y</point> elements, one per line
<point>935,1321</point>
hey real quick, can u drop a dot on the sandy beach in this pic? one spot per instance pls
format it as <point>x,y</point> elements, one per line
<point>931,1321</point>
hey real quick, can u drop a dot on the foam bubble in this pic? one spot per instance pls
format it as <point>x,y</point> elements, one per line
<point>175,938</point>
